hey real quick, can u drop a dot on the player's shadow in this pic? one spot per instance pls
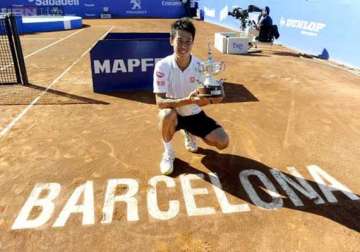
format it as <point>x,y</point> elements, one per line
<point>237,93</point>
<point>227,167</point>
<point>147,97</point>
<point>233,93</point>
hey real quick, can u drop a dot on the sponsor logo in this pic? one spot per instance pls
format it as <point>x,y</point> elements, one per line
<point>90,15</point>
<point>55,2</point>
<point>171,3</point>
<point>136,8</point>
<point>161,83</point>
<point>224,13</point>
<point>160,74</point>
<point>105,15</point>
<point>114,66</point>
<point>308,28</point>
<point>21,11</point>
<point>209,12</point>
<point>136,4</point>
<point>239,46</point>
<point>106,12</point>
<point>89,5</point>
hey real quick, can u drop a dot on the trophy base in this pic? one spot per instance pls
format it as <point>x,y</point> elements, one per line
<point>213,91</point>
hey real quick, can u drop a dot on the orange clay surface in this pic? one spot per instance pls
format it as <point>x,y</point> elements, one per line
<point>281,111</point>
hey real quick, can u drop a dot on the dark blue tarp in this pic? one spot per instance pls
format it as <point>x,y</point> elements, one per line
<point>137,36</point>
<point>125,61</point>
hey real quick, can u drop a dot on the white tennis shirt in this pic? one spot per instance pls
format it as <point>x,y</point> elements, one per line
<point>169,79</point>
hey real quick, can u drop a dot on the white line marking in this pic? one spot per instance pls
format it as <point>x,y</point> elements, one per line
<point>22,113</point>
<point>38,38</point>
<point>291,118</point>
<point>290,122</point>
<point>45,47</point>
<point>54,43</point>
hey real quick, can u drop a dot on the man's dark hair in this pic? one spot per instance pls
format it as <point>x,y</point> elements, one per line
<point>267,10</point>
<point>183,24</point>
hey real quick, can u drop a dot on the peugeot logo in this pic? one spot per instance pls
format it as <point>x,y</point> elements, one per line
<point>136,4</point>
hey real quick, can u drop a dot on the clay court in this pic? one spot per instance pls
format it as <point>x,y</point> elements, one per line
<point>281,111</point>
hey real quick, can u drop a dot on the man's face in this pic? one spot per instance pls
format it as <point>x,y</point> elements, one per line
<point>182,43</point>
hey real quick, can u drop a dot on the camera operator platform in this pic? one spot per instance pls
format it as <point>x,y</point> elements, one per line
<point>250,32</point>
<point>238,42</point>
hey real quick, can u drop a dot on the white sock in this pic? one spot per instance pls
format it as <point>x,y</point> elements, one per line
<point>168,147</point>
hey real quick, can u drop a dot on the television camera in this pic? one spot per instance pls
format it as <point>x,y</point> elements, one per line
<point>265,34</point>
<point>243,15</point>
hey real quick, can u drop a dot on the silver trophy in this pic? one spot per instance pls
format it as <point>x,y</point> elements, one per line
<point>208,85</point>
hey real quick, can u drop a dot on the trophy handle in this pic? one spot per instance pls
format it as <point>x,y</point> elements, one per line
<point>219,67</point>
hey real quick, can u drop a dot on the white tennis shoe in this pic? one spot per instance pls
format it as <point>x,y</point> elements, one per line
<point>190,141</point>
<point>167,163</point>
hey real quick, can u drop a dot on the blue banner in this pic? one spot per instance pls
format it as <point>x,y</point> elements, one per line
<point>125,61</point>
<point>96,8</point>
<point>329,28</point>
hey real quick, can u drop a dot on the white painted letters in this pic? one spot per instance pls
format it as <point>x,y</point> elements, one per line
<point>102,67</point>
<point>152,202</point>
<point>128,197</point>
<point>40,206</point>
<point>301,186</point>
<point>46,204</point>
<point>319,175</point>
<point>226,206</point>
<point>189,194</point>
<point>108,66</point>
<point>118,66</point>
<point>133,63</point>
<point>277,202</point>
<point>86,208</point>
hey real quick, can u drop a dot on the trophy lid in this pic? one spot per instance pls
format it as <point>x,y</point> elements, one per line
<point>210,67</point>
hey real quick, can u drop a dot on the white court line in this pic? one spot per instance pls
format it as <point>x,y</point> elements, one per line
<point>38,38</point>
<point>54,43</point>
<point>45,47</point>
<point>5,130</point>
